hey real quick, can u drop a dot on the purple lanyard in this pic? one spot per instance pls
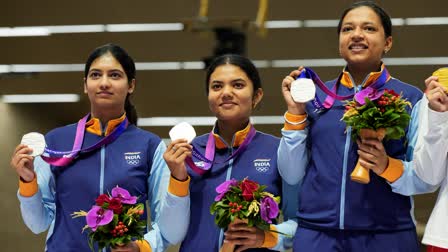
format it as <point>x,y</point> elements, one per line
<point>331,94</point>
<point>69,156</point>
<point>209,157</point>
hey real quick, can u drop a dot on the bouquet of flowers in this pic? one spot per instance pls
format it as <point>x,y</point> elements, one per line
<point>377,114</point>
<point>245,201</point>
<point>114,220</point>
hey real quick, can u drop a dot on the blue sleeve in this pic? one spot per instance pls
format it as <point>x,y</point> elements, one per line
<point>38,211</point>
<point>293,155</point>
<point>170,214</point>
<point>289,203</point>
<point>409,183</point>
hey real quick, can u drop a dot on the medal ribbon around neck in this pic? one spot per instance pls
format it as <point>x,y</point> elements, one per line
<point>331,94</point>
<point>69,156</point>
<point>209,157</point>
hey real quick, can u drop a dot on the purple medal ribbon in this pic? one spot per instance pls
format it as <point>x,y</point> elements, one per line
<point>69,156</point>
<point>331,94</point>
<point>209,157</point>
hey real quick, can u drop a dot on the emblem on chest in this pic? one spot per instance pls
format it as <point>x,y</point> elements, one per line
<point>262,165</point>
<point>132,158</point>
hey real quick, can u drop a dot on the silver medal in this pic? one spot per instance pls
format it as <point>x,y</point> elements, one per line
<point>35,141</point>
<point>182,130</point>
<point>303,90</point>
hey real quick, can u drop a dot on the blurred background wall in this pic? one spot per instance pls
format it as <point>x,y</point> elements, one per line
<point>44,44</point>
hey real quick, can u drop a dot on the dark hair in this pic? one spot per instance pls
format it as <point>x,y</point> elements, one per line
<point>382,14</point>
<point>237,60</point>
<point>129,68</point>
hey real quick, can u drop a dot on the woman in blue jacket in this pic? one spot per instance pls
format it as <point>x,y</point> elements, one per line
<point>234,90</point>
<point>336,213</point>
<point>133,160</point>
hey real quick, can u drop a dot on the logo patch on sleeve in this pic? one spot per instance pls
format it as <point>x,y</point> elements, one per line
<point>262,165</point>
<point>132,158</point>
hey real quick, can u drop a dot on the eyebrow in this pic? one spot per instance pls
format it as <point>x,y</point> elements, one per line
<point>99,70</point>
<point>239,79</point>
<point>363,23</point>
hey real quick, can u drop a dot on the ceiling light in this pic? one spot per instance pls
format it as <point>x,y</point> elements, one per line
<point>158,66</point>
<point>427,21</point>
<point>321,23</point>
<point>144,27</point>
<point>417,61</point>
<point>23,31</point>
<point>276,24</point>
<point>39,98</point>
<point>76,28</point>
<point>308,62</point>
<point>202,120</point>
<point>27,68</point>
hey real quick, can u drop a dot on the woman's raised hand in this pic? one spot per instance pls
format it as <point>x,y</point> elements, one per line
<point>22,162</point>
<point>175,156</point>
<point>436,94</point>
<point>293,107</point>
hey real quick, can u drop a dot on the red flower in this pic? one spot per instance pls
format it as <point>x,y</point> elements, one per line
<point>115,205</point>
<point>103,198</point>
<point>392,92</point>
<point>248,187</point>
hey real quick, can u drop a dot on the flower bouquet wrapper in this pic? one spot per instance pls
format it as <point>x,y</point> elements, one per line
<point>361,174</point>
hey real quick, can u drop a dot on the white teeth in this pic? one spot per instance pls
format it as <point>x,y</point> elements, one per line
<point>358,47</point>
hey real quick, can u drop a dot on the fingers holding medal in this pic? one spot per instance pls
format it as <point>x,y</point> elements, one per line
<point>298,89</point>
<point>179,149</point>
<point>436,90</point>
<point>286,85</point>
<point>32,145</point>
<point>175,155</point>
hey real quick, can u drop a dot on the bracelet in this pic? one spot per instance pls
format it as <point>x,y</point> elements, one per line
<point>295,123</point>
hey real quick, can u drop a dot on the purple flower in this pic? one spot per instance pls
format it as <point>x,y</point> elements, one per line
<point>123,195</point>
<point>269,209</point>
<point>224,187</point>
<point>97,216</point>
<point>370,93</point>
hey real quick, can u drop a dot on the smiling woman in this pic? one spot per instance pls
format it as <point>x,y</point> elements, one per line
<point>108,137</point>
<point>234,150</point>
<point>335,212</point>
<point>365,35</point>
<point>232,96</point>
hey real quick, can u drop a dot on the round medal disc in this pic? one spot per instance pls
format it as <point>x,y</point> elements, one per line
<point>442,73</point>
<point>182,130</point>
<point>35,141</point>
<point>303,90</point>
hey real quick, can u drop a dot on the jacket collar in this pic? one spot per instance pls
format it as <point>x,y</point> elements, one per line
<point>94,125</point>
<point>238,138</point>
<point>347,79</point>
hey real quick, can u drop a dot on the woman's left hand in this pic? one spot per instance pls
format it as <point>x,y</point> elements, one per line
<point>372,155</point>
<point>130,247</point>
<point>436,94</point>
<point>243,236</point>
